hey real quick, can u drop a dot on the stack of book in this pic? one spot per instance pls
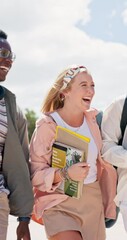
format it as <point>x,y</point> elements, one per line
<point>69,148</point>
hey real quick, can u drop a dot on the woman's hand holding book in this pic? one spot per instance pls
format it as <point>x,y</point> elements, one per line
<point>78,171</point>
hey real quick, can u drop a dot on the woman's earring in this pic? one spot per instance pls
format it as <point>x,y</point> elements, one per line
<point>62,99</point>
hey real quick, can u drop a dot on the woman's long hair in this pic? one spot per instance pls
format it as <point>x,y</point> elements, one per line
<point>55,97</point>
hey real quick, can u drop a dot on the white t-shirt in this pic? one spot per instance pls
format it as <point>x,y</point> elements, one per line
<point>92,150</point>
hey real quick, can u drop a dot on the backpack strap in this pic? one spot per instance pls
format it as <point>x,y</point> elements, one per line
<point>123,121</point>
<point>99,119</point>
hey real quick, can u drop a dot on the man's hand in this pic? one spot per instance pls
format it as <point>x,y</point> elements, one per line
<point>22,231</point>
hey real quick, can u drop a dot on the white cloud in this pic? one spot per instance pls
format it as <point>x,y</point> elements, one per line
<point>113,13</point>
<point>45,37</point>
<point>124,16</point>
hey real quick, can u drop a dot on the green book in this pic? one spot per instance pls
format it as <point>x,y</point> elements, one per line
<point>65,156</point>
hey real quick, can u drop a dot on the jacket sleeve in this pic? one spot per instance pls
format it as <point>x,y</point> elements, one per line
<point>111,133</point>
<point>40,157</point>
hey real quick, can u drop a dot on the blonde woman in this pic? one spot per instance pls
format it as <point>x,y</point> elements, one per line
<point>68,104</point>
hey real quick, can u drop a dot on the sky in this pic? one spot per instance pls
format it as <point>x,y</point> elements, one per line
<point>49,35</point>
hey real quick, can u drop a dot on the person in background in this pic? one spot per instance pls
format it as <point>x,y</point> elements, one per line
<point>116,153</point>
<point>68,105</point>
<point>16,196</point>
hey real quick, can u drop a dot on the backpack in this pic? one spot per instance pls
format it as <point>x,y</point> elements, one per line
<point>123,122</point>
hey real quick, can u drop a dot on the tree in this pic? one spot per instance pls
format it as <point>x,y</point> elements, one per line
<point>31,119</point>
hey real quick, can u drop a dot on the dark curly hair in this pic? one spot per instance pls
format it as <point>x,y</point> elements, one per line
<point>3,34</point>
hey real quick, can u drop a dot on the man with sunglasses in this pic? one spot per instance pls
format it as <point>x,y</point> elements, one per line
<point>16,195</point>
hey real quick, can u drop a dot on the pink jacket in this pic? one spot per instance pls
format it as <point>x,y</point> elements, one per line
<point>43,175</point>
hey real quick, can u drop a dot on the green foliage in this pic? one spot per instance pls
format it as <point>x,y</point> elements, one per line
<point>31,119</point>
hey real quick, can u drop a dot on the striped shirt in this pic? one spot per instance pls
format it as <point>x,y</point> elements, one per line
<point>3,133</point>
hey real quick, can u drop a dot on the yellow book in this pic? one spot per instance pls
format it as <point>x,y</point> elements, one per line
<point>73,139</point>
<point>70,132</point>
